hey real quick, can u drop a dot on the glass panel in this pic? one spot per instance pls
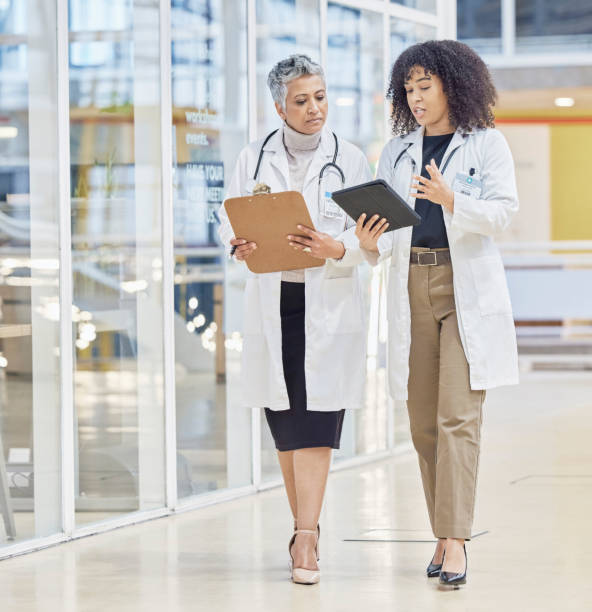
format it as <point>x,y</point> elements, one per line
<point>356,95</point>
<point>283,27</point>
<point>356,113</point>
<point>479,24</point>
<point>543,26</point>
<point>421,5</point>
<point>209,83</point>
<point>406,33</point>
<point>30,481</point>
<point>116,256</point>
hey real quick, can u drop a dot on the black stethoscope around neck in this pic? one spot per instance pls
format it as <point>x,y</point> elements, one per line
<point>331,164</point>
<point>442,169</point>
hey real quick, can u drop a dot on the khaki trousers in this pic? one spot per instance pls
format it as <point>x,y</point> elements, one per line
<point>444,413</point>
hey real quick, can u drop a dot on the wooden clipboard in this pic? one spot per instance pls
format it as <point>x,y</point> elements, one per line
<point>266,219</point>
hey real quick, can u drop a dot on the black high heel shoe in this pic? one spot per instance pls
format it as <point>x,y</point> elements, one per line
<point>452,578</point>
<point>434,569</point>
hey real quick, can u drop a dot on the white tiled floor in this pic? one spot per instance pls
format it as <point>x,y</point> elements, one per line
<point>535,501</point>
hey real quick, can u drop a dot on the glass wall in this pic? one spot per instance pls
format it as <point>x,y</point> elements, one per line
<point>355,74</point>
<point>479,24</point>
<point>209,90</point>
<point>283,27</point>
<point>543,26</point>
<point>84,135</point>
<point>116,256</point>
<point>30,438</point>
<point>540,26</point>
<point>406,33</point>
<point>421,5</point>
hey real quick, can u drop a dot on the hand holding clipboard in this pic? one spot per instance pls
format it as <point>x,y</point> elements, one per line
<point>266,220</point>
<point>241,248</point>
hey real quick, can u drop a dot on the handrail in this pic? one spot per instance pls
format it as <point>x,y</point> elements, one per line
<point>550,245</point>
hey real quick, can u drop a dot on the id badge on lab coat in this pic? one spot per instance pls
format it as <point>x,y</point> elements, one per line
<point>330,209</point>
<point>467,185</point>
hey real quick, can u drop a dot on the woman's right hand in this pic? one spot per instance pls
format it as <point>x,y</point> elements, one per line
<point>369,233</point>
<point>243,248</point>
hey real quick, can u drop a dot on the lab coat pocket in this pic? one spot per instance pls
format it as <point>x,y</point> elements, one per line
<point>342,305</point>
<point>491,285</point>
<point>334,226</point>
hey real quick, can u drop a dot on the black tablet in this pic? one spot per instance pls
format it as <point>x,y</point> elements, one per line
<point>376,198</point>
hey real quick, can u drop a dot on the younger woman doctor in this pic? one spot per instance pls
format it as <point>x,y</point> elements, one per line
<point>451,330</point>
<point>304,348</point>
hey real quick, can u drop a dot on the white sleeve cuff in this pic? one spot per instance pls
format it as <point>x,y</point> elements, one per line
<point>351,257</point>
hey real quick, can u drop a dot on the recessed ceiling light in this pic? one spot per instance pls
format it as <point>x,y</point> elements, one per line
<point>8,131</point>
<point>564,101</point>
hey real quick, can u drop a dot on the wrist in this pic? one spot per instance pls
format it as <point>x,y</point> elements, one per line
<point>339,250</point>
<point>371,248</point>
<point>449,201</point>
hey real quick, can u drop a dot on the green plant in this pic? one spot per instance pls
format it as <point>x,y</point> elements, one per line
<point>109,181</point>
<point>81,189</point>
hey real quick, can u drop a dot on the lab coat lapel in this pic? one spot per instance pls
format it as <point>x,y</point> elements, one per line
<point>458,140</point>
<point>414,142</point>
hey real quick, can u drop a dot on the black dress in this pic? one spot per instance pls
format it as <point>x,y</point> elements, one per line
<point>298,427</point>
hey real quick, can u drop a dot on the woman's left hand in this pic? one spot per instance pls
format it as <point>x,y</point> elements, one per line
<point>435,189</point>
<point>317,244</point>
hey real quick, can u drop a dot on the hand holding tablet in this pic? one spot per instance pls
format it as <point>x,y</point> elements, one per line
<point>377,209</point>
<point>376,198</point>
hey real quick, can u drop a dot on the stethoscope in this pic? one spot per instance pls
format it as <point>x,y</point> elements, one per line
<point>442,170</point>
<point>332,164</point>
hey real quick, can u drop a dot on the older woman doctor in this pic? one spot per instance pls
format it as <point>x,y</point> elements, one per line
<point>304,343</point>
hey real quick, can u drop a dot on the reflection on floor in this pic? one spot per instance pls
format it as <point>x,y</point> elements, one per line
<point>535,502</point>
<point>107,441</point>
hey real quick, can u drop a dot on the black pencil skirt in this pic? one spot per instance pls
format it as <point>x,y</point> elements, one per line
<point>298,427</point>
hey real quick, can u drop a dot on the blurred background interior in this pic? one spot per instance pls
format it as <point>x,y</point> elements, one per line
<point>130,155</point>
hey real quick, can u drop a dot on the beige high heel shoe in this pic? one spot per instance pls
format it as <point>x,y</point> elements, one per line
<point>300,575</point>
<point>317,546</point>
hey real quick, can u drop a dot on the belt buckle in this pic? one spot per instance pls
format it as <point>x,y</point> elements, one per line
<point>421,254</point>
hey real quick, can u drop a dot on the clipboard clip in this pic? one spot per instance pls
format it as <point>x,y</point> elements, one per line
<point>261,188</point>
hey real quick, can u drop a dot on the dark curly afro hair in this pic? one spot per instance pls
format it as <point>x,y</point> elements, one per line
<point>465,78</point>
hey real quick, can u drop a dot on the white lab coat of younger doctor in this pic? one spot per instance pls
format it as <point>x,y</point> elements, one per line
<point>335,357</point>
<point>483,305</point>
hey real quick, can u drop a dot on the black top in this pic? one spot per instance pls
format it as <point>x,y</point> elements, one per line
<point>431,232</point>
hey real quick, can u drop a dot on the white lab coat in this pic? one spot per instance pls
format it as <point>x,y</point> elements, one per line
<point>335,357</point>
<point>483,305</point>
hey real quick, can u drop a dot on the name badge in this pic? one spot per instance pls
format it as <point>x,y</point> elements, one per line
<point>467,185</point>
<point>330,209</point>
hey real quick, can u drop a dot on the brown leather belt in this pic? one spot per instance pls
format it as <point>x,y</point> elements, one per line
<point>430,258</point>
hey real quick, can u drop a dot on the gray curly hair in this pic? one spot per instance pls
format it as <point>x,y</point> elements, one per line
<point>287,70</point>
